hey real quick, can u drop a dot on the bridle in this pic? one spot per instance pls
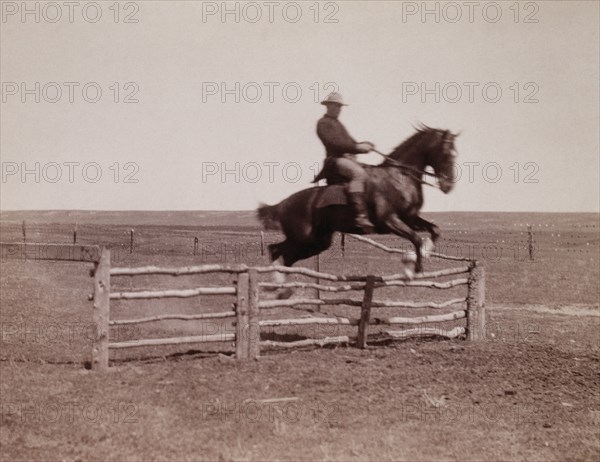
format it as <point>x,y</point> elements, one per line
<point>414,173</point>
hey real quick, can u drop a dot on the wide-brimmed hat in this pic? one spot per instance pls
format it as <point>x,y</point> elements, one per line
<point>334,98</point>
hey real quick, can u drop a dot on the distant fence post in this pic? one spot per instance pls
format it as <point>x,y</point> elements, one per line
<point>262,244</point>
<point>75,234</point>
<point>365,313</point>
<point>476,303</point>
<point>195,245</point>
<point>343,245</point>
<point>530,242</point>
<point>131,240</point>
<point>242,329</point>
<point>253,331</point>
<point>101,311</point>
<point>24,232</point>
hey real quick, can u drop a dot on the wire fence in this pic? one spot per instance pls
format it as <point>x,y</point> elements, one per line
<point>248,244</point>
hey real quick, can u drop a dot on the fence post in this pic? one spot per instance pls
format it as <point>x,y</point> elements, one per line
<point>195,245</point>
<point>75,234</point>
<point>365,313</point>
<point>262,244</point>
<point>24,232</point>
<point>476,303</point>
<point>131,240</point>
<point>242,333</point>
<point>530,242</point>
<point>101,311</point>
<point>253,331</point>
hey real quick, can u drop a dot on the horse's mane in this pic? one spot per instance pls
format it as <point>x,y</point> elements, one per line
<point>408,144</point>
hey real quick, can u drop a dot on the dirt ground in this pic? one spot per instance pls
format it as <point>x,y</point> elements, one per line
<point>530,390</point>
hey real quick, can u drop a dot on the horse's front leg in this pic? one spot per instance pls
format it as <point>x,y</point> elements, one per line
<point>420,224</point>
<point>399,228</point>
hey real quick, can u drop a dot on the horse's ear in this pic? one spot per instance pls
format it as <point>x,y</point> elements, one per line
<point>457,133</point>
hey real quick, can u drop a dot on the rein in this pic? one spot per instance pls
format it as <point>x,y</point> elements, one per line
<point>413,172</point>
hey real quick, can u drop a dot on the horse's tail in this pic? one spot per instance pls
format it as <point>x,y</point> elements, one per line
<point>269,217</point>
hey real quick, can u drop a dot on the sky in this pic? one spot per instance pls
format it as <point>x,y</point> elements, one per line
<point>185,105</point>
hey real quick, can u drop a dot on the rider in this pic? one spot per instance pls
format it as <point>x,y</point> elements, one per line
<point>340,148</point>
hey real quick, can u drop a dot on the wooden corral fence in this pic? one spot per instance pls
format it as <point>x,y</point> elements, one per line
<point>249,304</point>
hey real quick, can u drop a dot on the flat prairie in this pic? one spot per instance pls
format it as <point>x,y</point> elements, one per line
<point>530,390</point>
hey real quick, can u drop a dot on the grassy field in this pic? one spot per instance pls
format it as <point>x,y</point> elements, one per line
<point>529,391</point>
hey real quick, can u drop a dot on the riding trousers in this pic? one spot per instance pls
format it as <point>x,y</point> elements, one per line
<point>352,170</point>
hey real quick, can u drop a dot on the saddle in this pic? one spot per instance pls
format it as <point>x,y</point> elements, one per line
<point>335,192</point>
<point>329,173</point>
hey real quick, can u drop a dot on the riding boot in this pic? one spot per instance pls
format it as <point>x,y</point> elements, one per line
<point>361,220</point>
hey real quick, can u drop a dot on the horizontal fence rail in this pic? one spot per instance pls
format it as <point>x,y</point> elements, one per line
<point>309,342</point>
<point>350,287</point>
<point>187,270</point>
<point>308,321</point>
<point>167,317</point>
<point>452,333</point>
<point>172,341</point>
<point>403,252</point>
<point>359,278</point>
<point>423,319</point>
<point>173,293</point>
<point>356,302</point>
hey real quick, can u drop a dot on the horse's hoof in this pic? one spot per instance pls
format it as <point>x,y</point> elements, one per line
<point>287,293</point>
<point>409,257</point>
<point>427,247</point>
<point>409,273</point>
<point>278,278</point>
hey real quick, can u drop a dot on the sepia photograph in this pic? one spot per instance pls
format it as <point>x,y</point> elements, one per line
<point>300,230</point>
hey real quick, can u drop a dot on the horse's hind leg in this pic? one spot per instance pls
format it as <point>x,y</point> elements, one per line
<point>277,252</point>
<point>288,252</point>
<point>281,254</point>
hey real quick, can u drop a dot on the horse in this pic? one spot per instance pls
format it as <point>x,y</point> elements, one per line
<point>394,197</point>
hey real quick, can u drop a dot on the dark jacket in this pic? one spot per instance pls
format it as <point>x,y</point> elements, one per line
<point>335,137</point>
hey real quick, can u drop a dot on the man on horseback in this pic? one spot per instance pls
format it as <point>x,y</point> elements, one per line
<point>340,150</point>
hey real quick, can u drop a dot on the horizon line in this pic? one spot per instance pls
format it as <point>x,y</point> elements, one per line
<point>253,210</point>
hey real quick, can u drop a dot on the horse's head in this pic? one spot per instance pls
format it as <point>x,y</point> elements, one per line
<point>430,146</point>
<point>441,155</point>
